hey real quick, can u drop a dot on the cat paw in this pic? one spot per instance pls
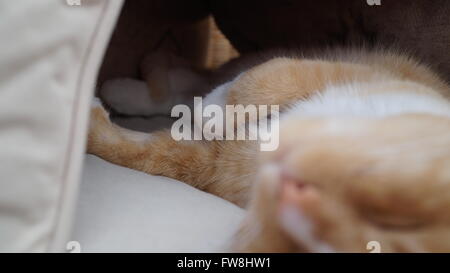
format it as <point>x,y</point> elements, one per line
<point>98,112</point>
<point>96,103</point>
<point>130,97</point>
<point>99,123</point>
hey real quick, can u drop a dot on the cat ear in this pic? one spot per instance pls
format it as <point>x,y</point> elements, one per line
<point>300,214</point>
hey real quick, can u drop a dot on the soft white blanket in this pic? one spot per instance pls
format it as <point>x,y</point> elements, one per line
<point>120,209</point>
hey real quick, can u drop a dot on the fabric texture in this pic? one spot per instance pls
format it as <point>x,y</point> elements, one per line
<point>122,210</point>
<point>419,27</point>
<point>49,57</point>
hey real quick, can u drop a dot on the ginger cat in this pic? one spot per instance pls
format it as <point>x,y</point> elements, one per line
<point>364,155</point>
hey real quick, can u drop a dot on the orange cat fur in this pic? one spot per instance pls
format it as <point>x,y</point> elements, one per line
<point>364,155</point>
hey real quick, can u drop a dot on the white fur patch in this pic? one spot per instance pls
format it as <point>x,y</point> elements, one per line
<point>132,97</point>
<point>217,97</point>
<point>348,101</point>
<point>301,229</point>
<point>96,103</point>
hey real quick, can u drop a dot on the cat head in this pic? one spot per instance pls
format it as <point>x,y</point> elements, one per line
<point>348,184</point>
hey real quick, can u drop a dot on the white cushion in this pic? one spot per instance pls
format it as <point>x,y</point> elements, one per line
<point>49,57</point>
<point>125,210</point>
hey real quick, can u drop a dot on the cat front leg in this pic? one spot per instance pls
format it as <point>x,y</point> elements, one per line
<point>168,80</point>
<point>156,153</point>
<point>222,168</point>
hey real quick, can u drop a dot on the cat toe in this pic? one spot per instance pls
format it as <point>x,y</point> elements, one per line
<point>128,96</point>
<point>96,103</point>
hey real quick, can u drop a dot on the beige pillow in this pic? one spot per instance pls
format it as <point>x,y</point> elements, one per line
<point>123,210</point>
<point>49,57</point>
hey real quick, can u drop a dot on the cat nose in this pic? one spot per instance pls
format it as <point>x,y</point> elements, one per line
<point>282,174</point>
<point>295,192</point>
<point>287,178</point>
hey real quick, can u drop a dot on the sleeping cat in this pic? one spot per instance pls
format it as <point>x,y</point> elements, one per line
<point>364,154</point>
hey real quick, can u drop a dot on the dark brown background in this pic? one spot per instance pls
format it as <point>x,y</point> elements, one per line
<point>418,26</point>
